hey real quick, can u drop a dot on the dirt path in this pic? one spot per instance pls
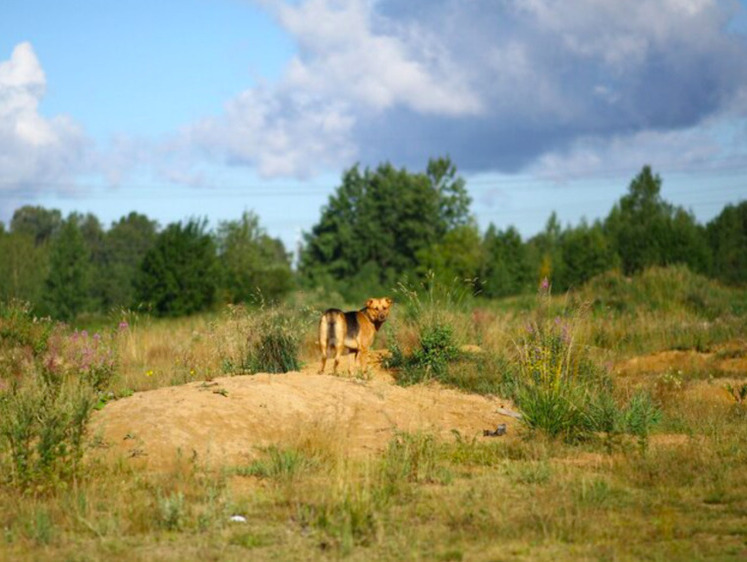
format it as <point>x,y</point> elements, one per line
<point>228,420</point>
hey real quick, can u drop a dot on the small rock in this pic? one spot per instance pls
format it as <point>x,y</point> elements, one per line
<point>500,430</point>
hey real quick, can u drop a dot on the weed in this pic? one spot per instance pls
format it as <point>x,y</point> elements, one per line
<point>737,392</point>
<point>430,360</point>
<point>43,410</point>
<point>280,464</point>
<point>412,457</point>
<point>171,511</point>
<point>273,348</point>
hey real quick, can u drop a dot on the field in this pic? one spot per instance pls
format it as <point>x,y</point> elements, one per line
<point>632,442</point>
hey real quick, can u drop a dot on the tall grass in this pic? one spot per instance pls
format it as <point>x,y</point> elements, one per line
<point>45,400</point>
<point>521,496</point>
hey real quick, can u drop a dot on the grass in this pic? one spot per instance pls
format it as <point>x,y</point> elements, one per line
<point>526,496</point>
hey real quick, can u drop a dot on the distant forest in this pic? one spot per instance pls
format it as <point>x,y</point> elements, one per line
<point>380,227</point>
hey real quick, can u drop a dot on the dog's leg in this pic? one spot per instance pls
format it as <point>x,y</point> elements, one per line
<point>339,336</point>
<point>323,341</point>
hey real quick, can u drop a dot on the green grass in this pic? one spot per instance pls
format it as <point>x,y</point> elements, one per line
<point>657,472</point>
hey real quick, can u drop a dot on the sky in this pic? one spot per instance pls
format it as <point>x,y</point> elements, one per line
<point>209,108</point>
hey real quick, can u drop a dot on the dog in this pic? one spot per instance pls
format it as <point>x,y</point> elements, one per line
<point>351,332</point>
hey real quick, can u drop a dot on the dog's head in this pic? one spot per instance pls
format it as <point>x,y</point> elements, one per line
<point>378,309</point>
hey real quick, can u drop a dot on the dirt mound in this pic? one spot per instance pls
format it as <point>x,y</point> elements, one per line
<point>727,359</point>
<point>228,420</point>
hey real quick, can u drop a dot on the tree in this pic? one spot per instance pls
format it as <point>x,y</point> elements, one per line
<point>178,274</point>
<point>251,262</point>
<point>67,285</point>
<point>546,253</point>
<point>645,230</point>
<point>505,270</point>
<point>377,222</point>
<point>124,246</point>
<point>727,236</point>
<point>457,257</point>
<point>586,253</point>
<point>24,268</point>
<point>39,223</point>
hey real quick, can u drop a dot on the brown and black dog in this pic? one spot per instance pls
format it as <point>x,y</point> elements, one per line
<point>351,332</point>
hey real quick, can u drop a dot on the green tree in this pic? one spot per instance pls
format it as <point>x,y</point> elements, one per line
<point>67,285</point>
<point>39,223</point>
<point>645,230</point>
<point>505,270</point>
<point>586,253</point>
<point>24,269</point>
<point>458,256</point>
<point>178,275</point>
<point>545,253</point>
<point>124,246</point>
<point>251,262</point>
<point>378,221</point>
<point>727,236</point>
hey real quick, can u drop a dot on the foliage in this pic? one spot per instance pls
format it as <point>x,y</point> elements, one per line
<point>505,270</point>
<point>37,222</point>
<point>381,227</point>
<point>457,256</point>
<point>67,285</point>
<point>274,345</point>
<point>429,360</point>
<point>586,253</point>
<point>124,246</point>
<point>377,222</point>
<point>562,392</point>
<point>178,274</point>
<point>25,267</point>
<point>278,463</point>
<point>42,423</point>
<point>645,230</point>
<point>665,289</point>
<point>44,403</point>
<point>727,236</point>
<point>251,264</point>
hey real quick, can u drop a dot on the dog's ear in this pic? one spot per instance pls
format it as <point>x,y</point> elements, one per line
<point>388,301</point>
<point>369,302</point>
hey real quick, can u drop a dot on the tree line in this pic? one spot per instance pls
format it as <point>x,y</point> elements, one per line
<point>380,227</point>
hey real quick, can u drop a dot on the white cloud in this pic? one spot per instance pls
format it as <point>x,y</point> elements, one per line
<point>497,85</point>
<point>351,62</point>
<point>35,151</point>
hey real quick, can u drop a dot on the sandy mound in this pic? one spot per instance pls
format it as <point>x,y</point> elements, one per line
<point>726,359</point>
<point>228,420</point>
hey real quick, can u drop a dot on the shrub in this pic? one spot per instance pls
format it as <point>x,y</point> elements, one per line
<point>431,359</point>
<point>280,464</point>
<point>273,346</point>
<point>42,427</point>
<point>563,393</point>
<point>45,406</point>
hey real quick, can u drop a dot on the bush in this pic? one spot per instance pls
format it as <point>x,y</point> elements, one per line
<point>561,392</point>
<point>42,427</point>
<point>46,401</point>
<point>429,360</point>
<point>273,347</point>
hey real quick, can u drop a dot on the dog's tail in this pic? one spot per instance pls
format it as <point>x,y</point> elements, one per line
<point>328,330</point>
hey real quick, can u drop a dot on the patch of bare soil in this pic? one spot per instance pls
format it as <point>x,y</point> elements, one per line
<point>729,359</point>
<point>228,420</point>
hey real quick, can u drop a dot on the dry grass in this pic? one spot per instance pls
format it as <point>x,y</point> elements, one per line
<point>523,498</point>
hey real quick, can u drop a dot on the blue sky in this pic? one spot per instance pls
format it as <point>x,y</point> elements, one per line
<point>209,108</point>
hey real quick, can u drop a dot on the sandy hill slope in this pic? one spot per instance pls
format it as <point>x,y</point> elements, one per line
<point>228,420</point>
